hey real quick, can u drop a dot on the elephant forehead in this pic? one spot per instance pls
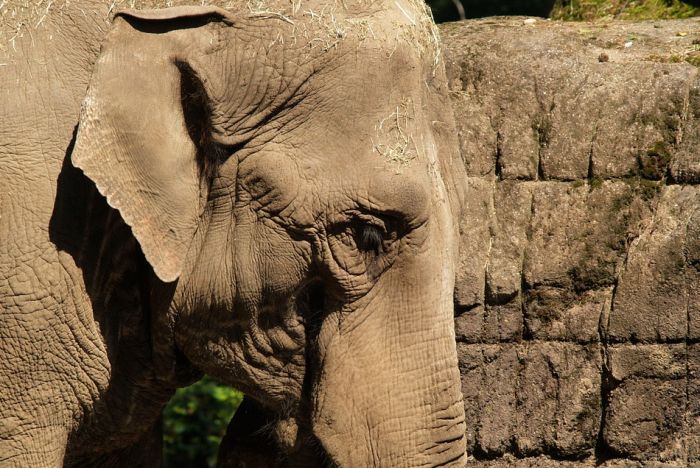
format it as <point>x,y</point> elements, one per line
<point>333,12</point>
<point>354,125</point>
<point>371,116</point>
<point>366,137</point>
<point>318,29</point>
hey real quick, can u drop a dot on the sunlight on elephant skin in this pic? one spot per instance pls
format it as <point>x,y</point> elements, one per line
<point>265,192</point>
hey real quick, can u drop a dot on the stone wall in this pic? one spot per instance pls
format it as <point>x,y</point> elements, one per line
<point>578,296</point>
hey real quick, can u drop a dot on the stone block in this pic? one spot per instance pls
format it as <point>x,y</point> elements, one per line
<point>499,374</point>
<point>578,233</point>
<point>545,395</point>
<point>512,206</point>
<point>645,417</point>
<point>664,361</point>
<point>685,165</point>
<point>473,115</point>
<point>636,130</point>
<point>474,325</point>
<point>477,138</point>
<point>484,78</point>
<point>475,238</point>
<point>692,272</point>
<point>652,297</point>
<point>470,362</point>
<point>692,429</point>
<point>561,314</point>
<point>542,396</point>
<point>518,142</point>
<point>490,324</point>
<point>537,401</point>
<point>489,376</point>
<point>510,320</point>
<point>558,399</point>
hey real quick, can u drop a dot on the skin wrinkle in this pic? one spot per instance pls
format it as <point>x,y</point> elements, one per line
<point>249,261</point>
<point>280,388</point>
<point>85,346</point>
<point>254,118</point>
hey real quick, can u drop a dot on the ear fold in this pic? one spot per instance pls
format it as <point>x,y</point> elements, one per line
<point>133,139</point>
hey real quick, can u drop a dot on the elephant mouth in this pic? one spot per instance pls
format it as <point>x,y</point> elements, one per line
<point>279,433</point>
<point>258,436</point>
<point>307,451</point>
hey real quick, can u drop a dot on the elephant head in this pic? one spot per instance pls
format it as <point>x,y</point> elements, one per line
<point>289,171</point>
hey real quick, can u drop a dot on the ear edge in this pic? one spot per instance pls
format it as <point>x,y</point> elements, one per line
<point>164,248</point>
<point>177,13</point>
<point>165,268</point>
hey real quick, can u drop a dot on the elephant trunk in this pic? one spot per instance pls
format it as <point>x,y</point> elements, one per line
<point>386,391</point>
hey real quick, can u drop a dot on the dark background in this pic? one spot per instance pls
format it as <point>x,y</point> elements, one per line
<point>449,10</point>
<point>445,10</point>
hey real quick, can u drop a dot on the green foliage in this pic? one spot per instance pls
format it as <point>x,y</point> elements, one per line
<point>194,422</point>
<point>585,10</point>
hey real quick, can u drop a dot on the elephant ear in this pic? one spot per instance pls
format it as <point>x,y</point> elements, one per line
<point>137,140</point>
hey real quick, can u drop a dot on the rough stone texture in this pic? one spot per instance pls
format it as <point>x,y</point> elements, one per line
<point>531,396</point>
<point>475,238</point>
<point>578,293</point>
<point>692,419</point>
<point>644,418</point>
<point>652,300</point>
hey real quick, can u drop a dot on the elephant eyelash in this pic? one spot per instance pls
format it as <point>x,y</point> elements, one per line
<point>373,233</point>
<point>369,238</point>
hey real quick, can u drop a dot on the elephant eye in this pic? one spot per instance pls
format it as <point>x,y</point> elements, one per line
<point>369,238</point>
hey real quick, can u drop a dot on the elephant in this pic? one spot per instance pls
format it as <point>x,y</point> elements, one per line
<point>266,193</point>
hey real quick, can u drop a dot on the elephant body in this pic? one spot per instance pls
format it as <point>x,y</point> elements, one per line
<point>200,189</point>
<point>62,341</point>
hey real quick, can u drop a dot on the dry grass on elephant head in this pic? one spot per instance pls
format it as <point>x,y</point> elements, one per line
<point>319,25</point>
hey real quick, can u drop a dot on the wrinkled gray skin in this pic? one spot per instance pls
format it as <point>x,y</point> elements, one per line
<point>263,194</point>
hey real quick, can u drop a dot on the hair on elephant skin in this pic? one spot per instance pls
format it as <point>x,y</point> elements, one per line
<point>262,192</point>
